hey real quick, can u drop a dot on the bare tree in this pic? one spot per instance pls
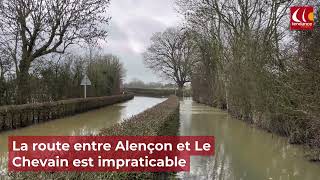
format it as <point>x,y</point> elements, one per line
<point>172,55</point>
<point>34,28</point>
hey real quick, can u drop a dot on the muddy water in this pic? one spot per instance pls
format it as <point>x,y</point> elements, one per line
<point>83,124</point>
<point>242,152</point>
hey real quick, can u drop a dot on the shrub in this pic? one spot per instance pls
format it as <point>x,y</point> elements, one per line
<point>12,117</point>
<point>157,92</point>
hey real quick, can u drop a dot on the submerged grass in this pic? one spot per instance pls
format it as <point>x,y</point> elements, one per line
<point>160,120</point>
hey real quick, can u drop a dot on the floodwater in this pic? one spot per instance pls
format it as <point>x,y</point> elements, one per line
<point>242,152</point>
<point>88,123</point>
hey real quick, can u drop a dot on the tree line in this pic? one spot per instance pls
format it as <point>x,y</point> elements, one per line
<point>35,64</point>
<point>247,61</point>
<point>136,83</point>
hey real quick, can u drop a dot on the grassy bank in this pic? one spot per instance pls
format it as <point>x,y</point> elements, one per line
<point>162,119</point>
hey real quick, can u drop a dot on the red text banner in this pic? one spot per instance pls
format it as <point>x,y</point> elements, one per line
<point>106,153</point>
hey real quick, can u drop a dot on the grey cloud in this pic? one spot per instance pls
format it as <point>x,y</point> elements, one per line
<point>132,25</point>
<point>116,33</point>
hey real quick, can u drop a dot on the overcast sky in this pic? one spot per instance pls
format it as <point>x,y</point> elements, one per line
<point>133,23</point>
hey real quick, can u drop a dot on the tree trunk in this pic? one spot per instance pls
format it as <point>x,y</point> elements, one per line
<point>23,86</point>
<point>2,90</point>
<point>180,89</point>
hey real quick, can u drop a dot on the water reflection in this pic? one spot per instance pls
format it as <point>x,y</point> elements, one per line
<point>139,105</point>
<point>242,152</point>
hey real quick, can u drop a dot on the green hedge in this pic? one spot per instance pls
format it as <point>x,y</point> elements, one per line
<point>160,120</point>
<point>151,92</point>
<point>157,92</point>
<point>16,116</point>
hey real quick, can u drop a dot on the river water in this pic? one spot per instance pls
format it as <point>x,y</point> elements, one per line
<point>242,152</point>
